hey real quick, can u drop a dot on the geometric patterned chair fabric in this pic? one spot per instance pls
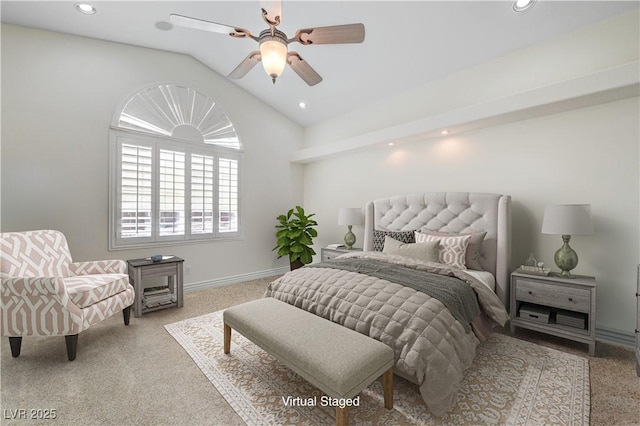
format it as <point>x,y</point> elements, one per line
<point>44,293</point>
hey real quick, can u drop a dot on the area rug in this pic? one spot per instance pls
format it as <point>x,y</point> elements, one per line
<point>510,382</point>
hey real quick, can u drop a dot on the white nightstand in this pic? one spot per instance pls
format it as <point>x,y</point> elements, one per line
<point>331,253</point>
<point>564,307</point>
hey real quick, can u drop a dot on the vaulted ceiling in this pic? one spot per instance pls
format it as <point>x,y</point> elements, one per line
<point>407,44</point>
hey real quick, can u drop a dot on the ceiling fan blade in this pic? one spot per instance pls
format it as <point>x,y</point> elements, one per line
<point>200,24</point>
<point>303,69</point>
<point>337,34</point>
<point>273,9</point>
<point>246,65</point>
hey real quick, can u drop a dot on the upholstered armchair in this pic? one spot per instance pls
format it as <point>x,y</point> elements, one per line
<point>44,293</point>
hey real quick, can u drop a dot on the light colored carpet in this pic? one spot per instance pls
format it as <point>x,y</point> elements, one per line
<point>510,382</point>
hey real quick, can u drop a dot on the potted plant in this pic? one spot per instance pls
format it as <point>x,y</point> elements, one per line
<point>295,235</point>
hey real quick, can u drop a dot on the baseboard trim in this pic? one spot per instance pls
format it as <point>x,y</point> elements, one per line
<point>235,279</point>
<point>617,337</point>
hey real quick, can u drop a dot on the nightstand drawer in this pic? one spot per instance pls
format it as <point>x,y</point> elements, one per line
<point>331,253</point>
<point>573,299</point>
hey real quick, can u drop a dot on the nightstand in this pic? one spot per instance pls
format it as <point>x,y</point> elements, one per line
<point>327,253</point>
<point>170,295</point>
<point>563,307</point>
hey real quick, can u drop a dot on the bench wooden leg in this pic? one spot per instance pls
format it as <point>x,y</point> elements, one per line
<point>387,387</point>
<point>227,339</point>
<point>342,416</point>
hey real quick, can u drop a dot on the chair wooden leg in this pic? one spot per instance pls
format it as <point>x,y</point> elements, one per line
<point>227,339</point>
<point>16,344</point>
<point>72,346</point>
<point>387,387</point>
<point>126,314</point>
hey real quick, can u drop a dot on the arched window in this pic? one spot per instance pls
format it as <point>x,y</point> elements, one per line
<point>175,160</point>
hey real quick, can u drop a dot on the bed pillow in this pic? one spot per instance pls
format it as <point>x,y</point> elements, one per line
<point>429,252</point>
<point>452,248</point>
<point>402,236</point>
<point>472,256</point>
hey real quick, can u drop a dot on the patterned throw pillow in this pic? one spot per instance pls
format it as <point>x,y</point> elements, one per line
<point>402,236</point>
<point>472,256</point>
<point>428,252</point>
<point>452,249</point>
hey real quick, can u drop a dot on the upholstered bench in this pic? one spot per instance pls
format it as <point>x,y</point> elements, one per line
<point>339,361</point>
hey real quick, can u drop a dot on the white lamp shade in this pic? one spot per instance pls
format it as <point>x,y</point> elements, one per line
<point>350,216</point>
<point>567,219</point>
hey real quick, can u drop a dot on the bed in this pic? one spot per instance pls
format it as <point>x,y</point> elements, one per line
<point>382,291</point>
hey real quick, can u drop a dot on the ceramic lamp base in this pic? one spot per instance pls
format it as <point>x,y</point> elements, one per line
<point>349,238</point>
<point>566,258</point>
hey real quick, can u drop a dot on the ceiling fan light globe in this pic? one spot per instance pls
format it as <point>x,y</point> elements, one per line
<point>273,55</point>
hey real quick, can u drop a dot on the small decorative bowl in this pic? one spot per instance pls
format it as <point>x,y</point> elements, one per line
<point>156,258</point>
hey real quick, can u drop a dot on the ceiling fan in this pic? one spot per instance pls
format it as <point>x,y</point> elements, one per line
<point>274,53</point>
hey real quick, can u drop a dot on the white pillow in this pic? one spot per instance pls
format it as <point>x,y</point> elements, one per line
<point>428,252</point>
<point>452,249</point>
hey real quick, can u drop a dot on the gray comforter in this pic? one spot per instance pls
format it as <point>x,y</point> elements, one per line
<point>432,348</point>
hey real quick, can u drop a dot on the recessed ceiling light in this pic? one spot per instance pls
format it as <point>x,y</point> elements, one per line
<point>164,26</point>
<point>444,132</point>
<point>391,144</point>
<point>522,5</point>
<point>85,8</point>
<point>302,105</point>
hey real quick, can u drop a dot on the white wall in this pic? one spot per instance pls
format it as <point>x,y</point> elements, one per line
<point>59,94</point>
<point>588,155</point>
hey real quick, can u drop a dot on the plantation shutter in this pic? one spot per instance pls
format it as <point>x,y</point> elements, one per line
<point>202,193</point>
<point>136,191</point>
<point>227,195</point>
<point>171,193</point>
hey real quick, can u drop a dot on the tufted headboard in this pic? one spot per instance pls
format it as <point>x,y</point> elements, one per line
<point>451,212</point>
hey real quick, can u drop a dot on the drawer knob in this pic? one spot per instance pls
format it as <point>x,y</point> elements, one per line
<point>571,299</point>
<point>530,292</point>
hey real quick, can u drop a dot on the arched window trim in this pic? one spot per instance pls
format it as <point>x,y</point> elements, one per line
<point>177,110</point>
<point>222,224</point>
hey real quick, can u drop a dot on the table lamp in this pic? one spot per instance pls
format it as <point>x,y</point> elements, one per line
<point>349,216</point>
<point>567,220</point>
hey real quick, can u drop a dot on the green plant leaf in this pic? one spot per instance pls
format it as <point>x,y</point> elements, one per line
<point>284,251</point>
<point>294,233</point>
<point>305,239</point>
<point>282,233</point>
<point>306,258</point>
